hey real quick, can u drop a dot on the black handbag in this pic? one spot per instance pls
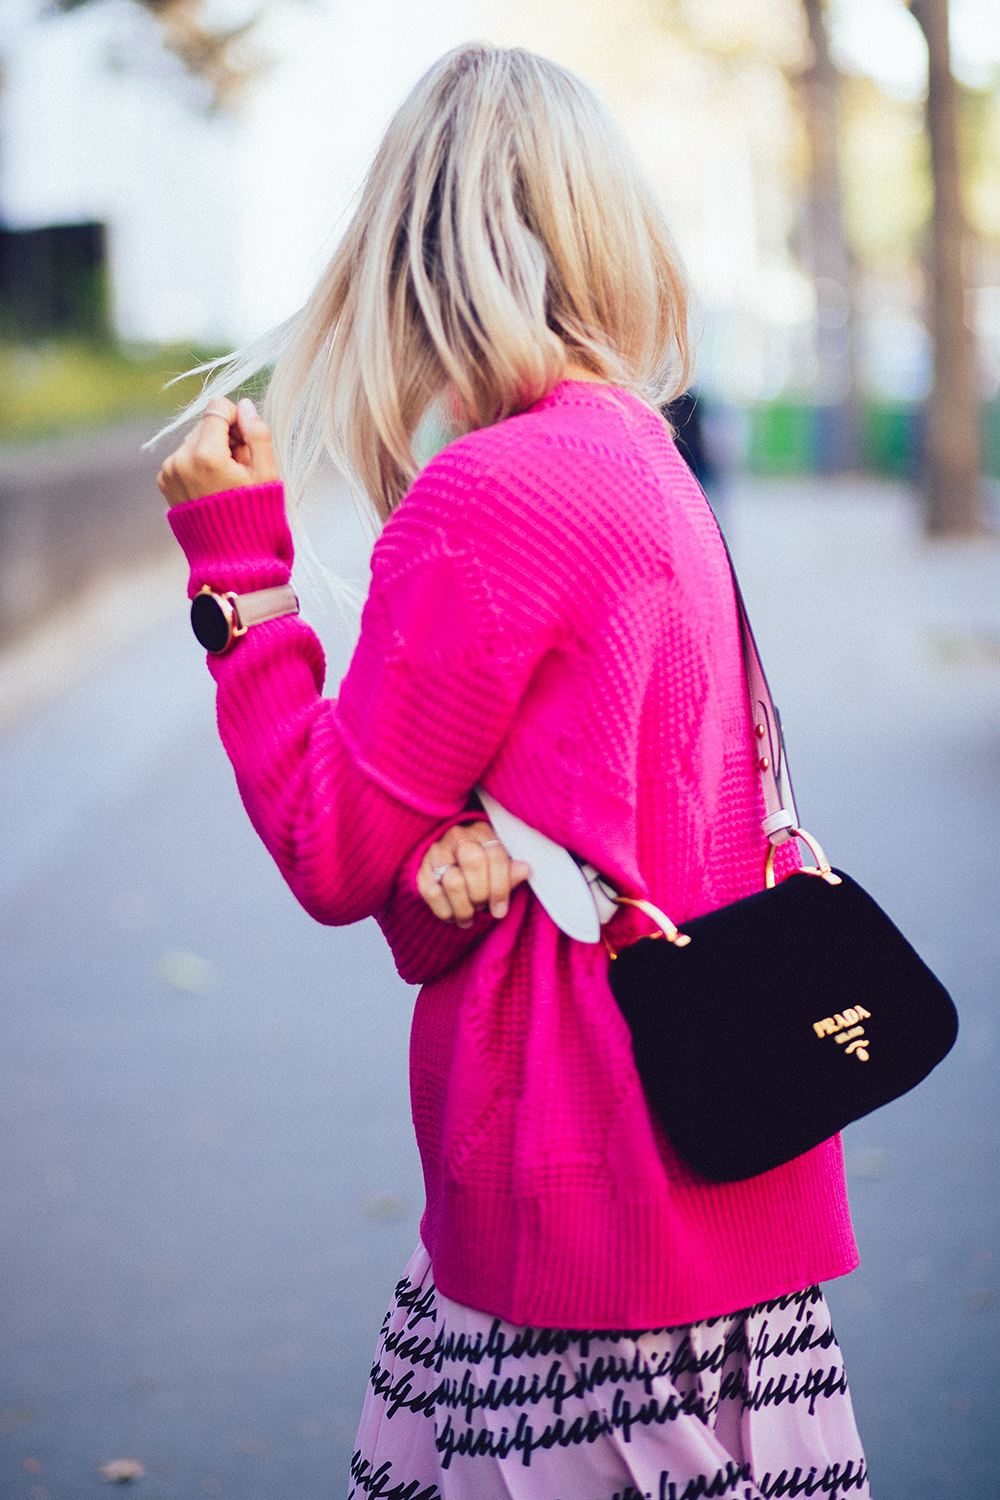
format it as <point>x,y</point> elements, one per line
<point>763,1028</point>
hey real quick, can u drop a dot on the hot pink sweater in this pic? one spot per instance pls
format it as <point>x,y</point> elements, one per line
<point>551,614</point>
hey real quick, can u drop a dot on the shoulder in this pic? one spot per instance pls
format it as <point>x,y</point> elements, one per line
<point>587,467</point>
<point>578,431</point>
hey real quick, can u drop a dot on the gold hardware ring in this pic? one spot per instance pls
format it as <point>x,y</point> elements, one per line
<point>822,863</point>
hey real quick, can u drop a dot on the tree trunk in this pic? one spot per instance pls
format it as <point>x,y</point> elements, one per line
<point>952,444</point>
<point>827,256</point>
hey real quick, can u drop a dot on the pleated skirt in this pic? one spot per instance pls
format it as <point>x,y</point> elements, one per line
<point>463,1406</point>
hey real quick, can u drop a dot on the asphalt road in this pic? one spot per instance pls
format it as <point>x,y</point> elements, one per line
<point>209,1177</point>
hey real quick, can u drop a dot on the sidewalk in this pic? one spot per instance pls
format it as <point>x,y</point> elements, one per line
<point>209,1171</point>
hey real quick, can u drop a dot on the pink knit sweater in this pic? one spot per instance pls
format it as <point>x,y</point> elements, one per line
<point>551,614</point>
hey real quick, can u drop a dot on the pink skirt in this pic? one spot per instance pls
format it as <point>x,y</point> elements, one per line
<point>463,1406</point>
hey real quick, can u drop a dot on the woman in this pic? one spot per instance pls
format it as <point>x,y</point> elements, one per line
<point>551,616</point>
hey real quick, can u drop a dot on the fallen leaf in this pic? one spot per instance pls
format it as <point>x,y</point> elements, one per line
<point>18,1416</point>
<point>867,1162</point>
<point>187,972</point>
<point>285,1354</point>
<point>122,1471</point>
<point>385,1206</point>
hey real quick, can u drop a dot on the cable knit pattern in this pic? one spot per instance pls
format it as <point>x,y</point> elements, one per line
<point>550,614</point>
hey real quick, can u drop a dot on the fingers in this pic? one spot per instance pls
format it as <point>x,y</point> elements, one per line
<point>428,884</point>
<point>216,431</point>
<point>489,872</point>
<point>454,884</point>
<point>257,449</point>
<point>473,861</point>
<point>168,484</point>
<point>467,871</point>
<point>458,867</point>
<point>219,406</point>
<point>229,447</point>
<point>213,437</point>
<point>176,475</point>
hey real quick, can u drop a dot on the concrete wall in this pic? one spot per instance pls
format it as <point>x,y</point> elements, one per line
<point>70,511</point>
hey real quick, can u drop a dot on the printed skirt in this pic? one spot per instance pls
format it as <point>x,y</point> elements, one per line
<point>463,1406</point>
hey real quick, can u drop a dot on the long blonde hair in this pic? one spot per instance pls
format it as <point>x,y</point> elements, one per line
<point>504,231</point>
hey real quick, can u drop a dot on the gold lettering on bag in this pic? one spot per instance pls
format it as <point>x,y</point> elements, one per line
<point>845,1030</point>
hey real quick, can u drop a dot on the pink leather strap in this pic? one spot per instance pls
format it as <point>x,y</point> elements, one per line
<point>781,815</point>
<point>266,604</point>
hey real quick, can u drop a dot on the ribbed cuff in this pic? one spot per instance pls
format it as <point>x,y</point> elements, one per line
<point>237,540</point>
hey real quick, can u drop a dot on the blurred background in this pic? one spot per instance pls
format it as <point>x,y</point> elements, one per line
<point>209,1179</point>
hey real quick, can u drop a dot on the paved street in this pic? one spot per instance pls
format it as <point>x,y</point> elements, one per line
<point>209,1177</point>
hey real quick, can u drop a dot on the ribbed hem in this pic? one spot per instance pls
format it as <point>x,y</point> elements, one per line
<point>577,1260</point>
<point>235,541</point>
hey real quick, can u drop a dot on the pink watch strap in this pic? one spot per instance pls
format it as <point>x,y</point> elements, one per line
<point>266,604</point>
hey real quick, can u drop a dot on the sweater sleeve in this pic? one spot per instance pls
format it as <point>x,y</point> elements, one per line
<point>336,836</point>
<point>342,794</point>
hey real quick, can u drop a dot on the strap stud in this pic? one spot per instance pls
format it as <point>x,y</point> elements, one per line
<point>764,763</point>
<point>761,731</point>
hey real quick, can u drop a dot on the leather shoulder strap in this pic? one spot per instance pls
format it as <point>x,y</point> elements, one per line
<point>769,739</point>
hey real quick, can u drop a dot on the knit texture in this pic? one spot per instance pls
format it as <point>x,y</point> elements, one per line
<point>550,614</point>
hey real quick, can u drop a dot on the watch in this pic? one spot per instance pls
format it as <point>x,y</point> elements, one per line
<point>218,620</point>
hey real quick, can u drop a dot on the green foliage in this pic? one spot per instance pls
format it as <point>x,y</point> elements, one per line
<point>59,386</point>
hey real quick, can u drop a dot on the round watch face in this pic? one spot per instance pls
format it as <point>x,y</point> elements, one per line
<point>210,622</point>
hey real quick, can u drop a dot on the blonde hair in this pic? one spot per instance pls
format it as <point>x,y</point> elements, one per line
<point>504,231</point>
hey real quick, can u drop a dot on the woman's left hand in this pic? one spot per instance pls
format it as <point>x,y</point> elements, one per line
<point>229,448</point>
<point>467,871</point>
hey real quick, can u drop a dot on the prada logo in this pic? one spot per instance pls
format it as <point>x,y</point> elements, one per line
<point>846,1031</point>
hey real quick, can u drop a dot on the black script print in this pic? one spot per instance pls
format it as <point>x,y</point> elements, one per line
<point>462,1404</point>
<point>378,1484</point>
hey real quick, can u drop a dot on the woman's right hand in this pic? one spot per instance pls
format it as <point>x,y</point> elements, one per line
<point>468,870</point>
<point>227,449</point>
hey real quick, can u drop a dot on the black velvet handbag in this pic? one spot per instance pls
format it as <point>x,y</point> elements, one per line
<point>763,1028</point>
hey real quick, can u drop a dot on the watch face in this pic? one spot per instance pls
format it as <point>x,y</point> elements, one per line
<point>210,622</point>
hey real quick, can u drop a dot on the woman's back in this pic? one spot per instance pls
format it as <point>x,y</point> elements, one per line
<point>566,563</point>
